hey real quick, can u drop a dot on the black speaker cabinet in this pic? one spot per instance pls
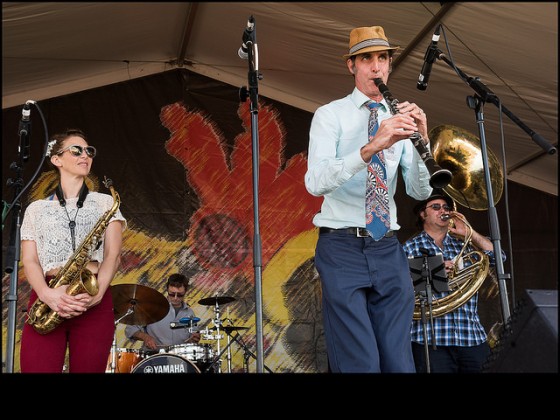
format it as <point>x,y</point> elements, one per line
<point>530,341</point>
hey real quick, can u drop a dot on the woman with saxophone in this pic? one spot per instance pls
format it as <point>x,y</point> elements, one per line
<point>460,339</point>
<point>65,234</point>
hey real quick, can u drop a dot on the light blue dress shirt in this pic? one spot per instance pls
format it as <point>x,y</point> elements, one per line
<point>336,170</point>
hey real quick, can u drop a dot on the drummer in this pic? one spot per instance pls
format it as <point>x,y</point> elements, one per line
<point>177,327</point>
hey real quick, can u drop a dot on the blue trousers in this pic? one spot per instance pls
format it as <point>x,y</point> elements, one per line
<point>368,303</point>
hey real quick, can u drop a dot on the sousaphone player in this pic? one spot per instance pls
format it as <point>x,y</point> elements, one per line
<point>460,339</point>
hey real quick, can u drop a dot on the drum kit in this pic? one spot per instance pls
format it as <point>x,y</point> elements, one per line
<point>135,304</point>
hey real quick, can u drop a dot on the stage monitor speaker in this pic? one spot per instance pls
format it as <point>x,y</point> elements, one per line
<point>530,343</point>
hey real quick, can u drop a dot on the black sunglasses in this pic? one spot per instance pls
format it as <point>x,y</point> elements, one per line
<point>437,207</point>
<point>77,150</point>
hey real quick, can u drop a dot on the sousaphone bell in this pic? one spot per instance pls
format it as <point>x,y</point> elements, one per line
<point>460,152</point>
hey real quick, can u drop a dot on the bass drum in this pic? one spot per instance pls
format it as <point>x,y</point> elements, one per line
<point>165,363</point>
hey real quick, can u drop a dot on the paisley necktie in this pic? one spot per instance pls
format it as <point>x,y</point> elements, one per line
<point>377,196</point>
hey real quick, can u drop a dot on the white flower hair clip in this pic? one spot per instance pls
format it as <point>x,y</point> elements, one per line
<point>50,147</point>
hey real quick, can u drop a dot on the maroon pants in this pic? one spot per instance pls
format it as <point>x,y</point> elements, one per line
<point>88,336</point>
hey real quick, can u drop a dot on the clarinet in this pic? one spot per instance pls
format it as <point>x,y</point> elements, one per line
<point>439,177</point>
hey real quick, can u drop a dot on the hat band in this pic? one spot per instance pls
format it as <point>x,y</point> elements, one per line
<point>369,43</point>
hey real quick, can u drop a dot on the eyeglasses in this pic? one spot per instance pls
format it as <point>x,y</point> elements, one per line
<point>437,207</point>
<point>77,150</point>
<point>176,295</point>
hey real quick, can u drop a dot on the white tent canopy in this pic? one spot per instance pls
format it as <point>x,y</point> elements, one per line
<point>53,49</point>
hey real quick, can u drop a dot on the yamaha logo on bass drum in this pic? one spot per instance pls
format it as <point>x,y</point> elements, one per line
<point>165,363</point>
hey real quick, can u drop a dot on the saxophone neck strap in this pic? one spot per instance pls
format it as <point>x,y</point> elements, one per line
<point>81,198</point>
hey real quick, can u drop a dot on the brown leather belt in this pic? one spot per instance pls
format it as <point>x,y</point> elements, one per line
<point>354,231</point>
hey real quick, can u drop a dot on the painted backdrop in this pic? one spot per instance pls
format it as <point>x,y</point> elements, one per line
<point>178,147</point>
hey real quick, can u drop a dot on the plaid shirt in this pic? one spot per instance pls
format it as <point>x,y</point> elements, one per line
<point>462,326</point>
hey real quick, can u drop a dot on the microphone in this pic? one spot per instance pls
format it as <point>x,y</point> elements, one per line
<point>25,131</point>
<point>429,59</point>
<point>243,51</point>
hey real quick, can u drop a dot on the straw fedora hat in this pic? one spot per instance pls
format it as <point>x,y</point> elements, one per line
<point>368,39</point>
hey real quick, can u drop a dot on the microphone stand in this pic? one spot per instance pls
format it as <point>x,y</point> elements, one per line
<point>13,258</point>
<point>14,243</point>
<point>253,77</point>
<point>484,94</point>
<point>424,328</point>
<point>423,280</point>
<point>426,296</point>
<point>218,336</point>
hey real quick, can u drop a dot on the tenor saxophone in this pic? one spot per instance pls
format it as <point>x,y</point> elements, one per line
<point>74,273</point>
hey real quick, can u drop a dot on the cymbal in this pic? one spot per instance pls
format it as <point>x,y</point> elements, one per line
<point>216,300</point>
<point>230,328</point>
<point>147,304</point>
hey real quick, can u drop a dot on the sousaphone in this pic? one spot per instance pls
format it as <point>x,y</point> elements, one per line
<point>460,152</point>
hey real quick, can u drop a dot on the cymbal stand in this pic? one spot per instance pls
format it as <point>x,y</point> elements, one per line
<point>228,357</point>
<point>246,355</point>
<point>217,324</point>
<point>114,345</point>
<point>218,358</point>
<point>114,351</point>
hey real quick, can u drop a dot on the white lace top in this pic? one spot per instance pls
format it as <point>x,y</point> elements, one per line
<point>46,223</point>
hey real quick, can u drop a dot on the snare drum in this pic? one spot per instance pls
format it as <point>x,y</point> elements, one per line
<point>197,353</point>
<point>125,360</point>
<point>165,363</point>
